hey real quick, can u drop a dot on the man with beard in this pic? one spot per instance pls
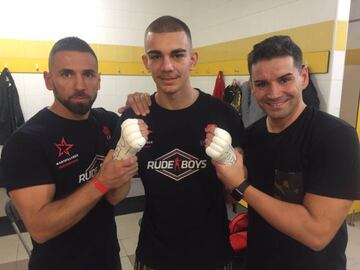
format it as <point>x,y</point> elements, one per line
<point>52,169</point>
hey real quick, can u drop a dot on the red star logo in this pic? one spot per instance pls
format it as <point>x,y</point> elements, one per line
<point>63,147</point>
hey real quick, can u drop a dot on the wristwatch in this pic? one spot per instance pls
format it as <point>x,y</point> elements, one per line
<point>238,193</point>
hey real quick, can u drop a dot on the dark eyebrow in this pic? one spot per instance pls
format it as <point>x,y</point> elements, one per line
<point>259,81</point>
<point>89,71</point>
<point>66,70</point>
<point>180,50</point>
<point>153,52</point>
<point>286,75</point>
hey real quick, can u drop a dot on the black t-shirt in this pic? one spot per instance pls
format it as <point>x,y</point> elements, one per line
<point>184,225</point>
<point>49,149</point>
<point>317,154</point>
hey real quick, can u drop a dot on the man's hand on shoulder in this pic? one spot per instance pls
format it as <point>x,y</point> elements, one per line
<point>138,102</point>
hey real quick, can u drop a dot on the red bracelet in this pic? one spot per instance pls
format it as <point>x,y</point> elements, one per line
<point>100,186</point>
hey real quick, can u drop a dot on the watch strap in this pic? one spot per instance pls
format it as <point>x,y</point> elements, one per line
<point>238,193</point>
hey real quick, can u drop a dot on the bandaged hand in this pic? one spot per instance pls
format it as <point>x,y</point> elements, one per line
<point>131,140</point>
<point>220,148</point>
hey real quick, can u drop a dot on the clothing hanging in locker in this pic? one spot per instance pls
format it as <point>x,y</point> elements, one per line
<point>11,116</point>
<point>232,94</point>
<point>219,86</point>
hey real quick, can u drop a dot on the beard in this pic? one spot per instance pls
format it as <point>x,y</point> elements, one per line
<point>79,108</point>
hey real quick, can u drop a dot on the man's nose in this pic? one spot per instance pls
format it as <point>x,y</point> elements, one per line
<point>167,64</point>
<point>274,90</point>
<point>79,82</point>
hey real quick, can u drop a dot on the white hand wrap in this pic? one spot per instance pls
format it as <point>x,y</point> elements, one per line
<point>131,140</point>
<point>220,149</point>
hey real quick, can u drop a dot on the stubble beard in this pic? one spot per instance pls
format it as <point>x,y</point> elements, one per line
<point>79,108</point>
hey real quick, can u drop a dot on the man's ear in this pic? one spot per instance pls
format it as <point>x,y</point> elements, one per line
<point>145,61</point>
<point>194,59</point>
<point>304,73</point>
<point>99,81</point>
<point>48,81</point>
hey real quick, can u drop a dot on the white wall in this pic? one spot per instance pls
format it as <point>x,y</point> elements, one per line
<point>123,22</point>
<point>351,86</point>
<point>215,21</point>
<point>112,95</point>
<point>97,21</point>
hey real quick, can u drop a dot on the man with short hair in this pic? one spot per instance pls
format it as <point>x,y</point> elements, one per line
<point>184,225</point>
<point>303,169</point>
<point>60,174</point>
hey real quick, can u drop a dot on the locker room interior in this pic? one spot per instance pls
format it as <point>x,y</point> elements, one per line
<point>223,32</point>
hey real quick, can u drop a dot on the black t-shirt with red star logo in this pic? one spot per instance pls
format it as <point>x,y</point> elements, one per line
<point>49,149</point>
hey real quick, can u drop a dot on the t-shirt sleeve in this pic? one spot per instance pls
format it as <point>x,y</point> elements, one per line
<point>335,165</point>
<point>24,163</point>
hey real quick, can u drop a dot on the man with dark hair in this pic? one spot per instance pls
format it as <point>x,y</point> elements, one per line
<point>60,174</point>
<point>70,44</point>
<point>275,46</point>
<point>184,225</point>
<point>303,169</point>
<point>166,24</point>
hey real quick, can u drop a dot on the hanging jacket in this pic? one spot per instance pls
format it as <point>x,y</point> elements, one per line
<point>310,95</point>
<point>219,86</point>
<point>11,116</point>
<point>250,110</point>
<point>232,95</point>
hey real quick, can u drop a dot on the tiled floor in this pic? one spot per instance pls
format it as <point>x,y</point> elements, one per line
<point>14,257</point>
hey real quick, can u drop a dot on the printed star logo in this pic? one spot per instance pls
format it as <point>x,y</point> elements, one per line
<point>107,132</point>
<point>63,147</point>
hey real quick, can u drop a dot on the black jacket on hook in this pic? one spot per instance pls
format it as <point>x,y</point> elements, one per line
<point>11,116</point>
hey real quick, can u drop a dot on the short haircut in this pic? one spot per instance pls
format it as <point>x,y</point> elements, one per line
<point>275,46</point>
<point>70,44</point>
<point>168,24</point>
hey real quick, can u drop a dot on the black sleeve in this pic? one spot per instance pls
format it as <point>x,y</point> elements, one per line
<point>105,117</point>
<point>236,128</point>
<point>24,163</point>
<point>334,166</point>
